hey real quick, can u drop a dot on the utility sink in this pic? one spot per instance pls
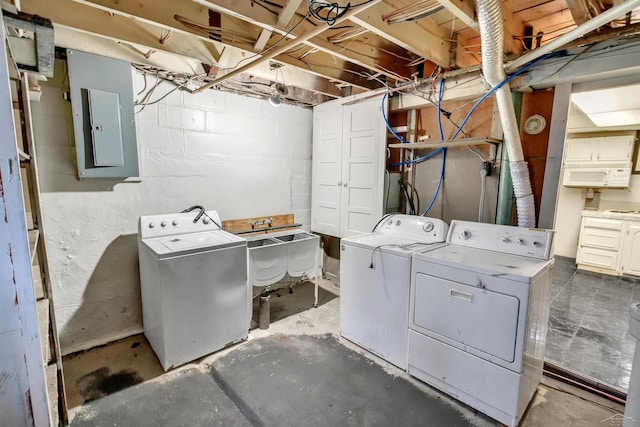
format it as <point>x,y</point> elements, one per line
<point>295,252</point>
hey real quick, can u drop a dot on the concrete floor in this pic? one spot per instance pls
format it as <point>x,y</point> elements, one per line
<point>217,390</point>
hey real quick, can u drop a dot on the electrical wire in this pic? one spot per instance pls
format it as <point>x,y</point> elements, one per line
<point>498,86</point>
<point>444,151</point>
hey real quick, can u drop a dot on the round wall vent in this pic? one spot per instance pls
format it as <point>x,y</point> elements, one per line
<point>535,124</point>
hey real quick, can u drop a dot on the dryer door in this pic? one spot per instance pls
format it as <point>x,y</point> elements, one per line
<point>466,316</point>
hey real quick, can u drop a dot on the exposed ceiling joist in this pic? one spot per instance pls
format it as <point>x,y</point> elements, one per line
<point>122,29</point>
<point>464,10</point>
<point>364,56</point>
<point>287,12</point>
<point>163,15</point>
<point>423,37</point>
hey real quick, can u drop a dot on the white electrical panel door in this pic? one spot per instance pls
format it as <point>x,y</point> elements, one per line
<point>363,142</point>
<point>327,169</point>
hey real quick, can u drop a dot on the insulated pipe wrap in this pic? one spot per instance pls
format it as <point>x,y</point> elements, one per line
<point>524,194</point>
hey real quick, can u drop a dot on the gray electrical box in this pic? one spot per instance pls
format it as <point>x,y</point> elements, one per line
<point>103,117</point>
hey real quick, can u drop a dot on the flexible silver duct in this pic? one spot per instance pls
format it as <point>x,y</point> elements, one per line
<point>492,39</point>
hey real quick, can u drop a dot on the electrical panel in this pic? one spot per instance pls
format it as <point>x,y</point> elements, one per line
<point>103,117</point>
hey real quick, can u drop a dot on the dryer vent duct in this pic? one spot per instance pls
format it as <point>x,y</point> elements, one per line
<point>492,39</point>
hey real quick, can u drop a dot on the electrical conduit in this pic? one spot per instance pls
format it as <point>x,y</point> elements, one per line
<point>492,39</point>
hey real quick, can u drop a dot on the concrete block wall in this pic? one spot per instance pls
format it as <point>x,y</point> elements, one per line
<point>235,154</point>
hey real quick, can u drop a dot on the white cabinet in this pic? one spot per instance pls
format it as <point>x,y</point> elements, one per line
<point>631,250</point>
<point>599,244</point>
<point>596,150</point>
<point>348,167</point>
<point>609,245</point>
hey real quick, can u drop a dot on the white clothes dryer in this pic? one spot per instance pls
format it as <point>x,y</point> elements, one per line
<point>193,279</point>
<point>375,277</point>
<point>478,317</point>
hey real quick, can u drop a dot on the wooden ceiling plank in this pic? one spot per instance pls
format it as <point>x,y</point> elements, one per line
<point>464,10</point>
<point>162,15</point>
<point>122,29</point>
<point>357,54</point>
<point>423,37</point>
<point>579,11</point>
<point>284,47</point>
<point>286,13</point>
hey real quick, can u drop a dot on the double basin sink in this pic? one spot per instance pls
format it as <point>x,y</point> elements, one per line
<point>272,256</point>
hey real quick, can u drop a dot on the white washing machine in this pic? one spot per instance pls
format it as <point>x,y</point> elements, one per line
<point>193,278</point>
<point>375,277</point>
<point>478,318</point>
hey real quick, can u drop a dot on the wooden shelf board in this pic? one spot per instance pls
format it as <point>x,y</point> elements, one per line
<point>437,144</point>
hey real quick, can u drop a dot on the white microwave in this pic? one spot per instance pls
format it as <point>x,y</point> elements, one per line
<point>597,177</point>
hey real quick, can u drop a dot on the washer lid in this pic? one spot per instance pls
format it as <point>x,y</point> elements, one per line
<point>388,243</point>
<point>182,244</point>
<point>511,267</point>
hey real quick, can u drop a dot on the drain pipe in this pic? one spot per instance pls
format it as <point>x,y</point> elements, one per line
<point>492,39</point>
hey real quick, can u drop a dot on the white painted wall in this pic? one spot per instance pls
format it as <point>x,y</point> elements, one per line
<point>238,155</point>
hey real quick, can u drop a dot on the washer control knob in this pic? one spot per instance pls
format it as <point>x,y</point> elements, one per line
<point>537,244</point>
<point>175,222</point>
<point>505,239</point>
<point>428,226</point>
<point>398,222</point>
<point>465,234</point>
<point>152,224</point>
<point>205,220</point>
<point>390,222</point>
<point>163,224</point>
<point>520,241</point>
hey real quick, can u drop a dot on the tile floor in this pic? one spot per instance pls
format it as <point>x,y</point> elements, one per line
<point>589,323</point>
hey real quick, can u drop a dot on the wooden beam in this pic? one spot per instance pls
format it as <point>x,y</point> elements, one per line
<point>162,14</point>
<point>579,11</point>
<point>289,45</point>
<point>286,13</point>
<point>125,30</point>
<point>424,37</point>
<point>355,53</point>
<point>464,10</point>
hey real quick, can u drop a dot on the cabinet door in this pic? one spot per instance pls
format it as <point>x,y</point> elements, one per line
<point>581,150</point>
<point>327,169</point>
<point>615,148</point>
<point>631,250</point>
<point>363,145</point>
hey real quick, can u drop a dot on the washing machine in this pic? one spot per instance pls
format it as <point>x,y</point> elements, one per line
<point>478,316</point>
<point>193,279</point>
<point>375,281</point>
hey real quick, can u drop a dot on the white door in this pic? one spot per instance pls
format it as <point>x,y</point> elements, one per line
<point>631,250</point>
<point>326,173</point>
<point>363,146</point>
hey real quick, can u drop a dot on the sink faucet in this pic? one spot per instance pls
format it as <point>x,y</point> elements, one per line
<point>199,213</point>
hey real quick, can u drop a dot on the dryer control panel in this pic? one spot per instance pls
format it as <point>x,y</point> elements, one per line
<point>419,228</point>
<point>530,242</point>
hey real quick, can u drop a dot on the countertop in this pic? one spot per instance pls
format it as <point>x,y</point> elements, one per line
<point>615,210</point>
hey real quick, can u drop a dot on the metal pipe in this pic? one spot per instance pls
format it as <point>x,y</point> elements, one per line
<point>579,31</point>
<point>285,46</point>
